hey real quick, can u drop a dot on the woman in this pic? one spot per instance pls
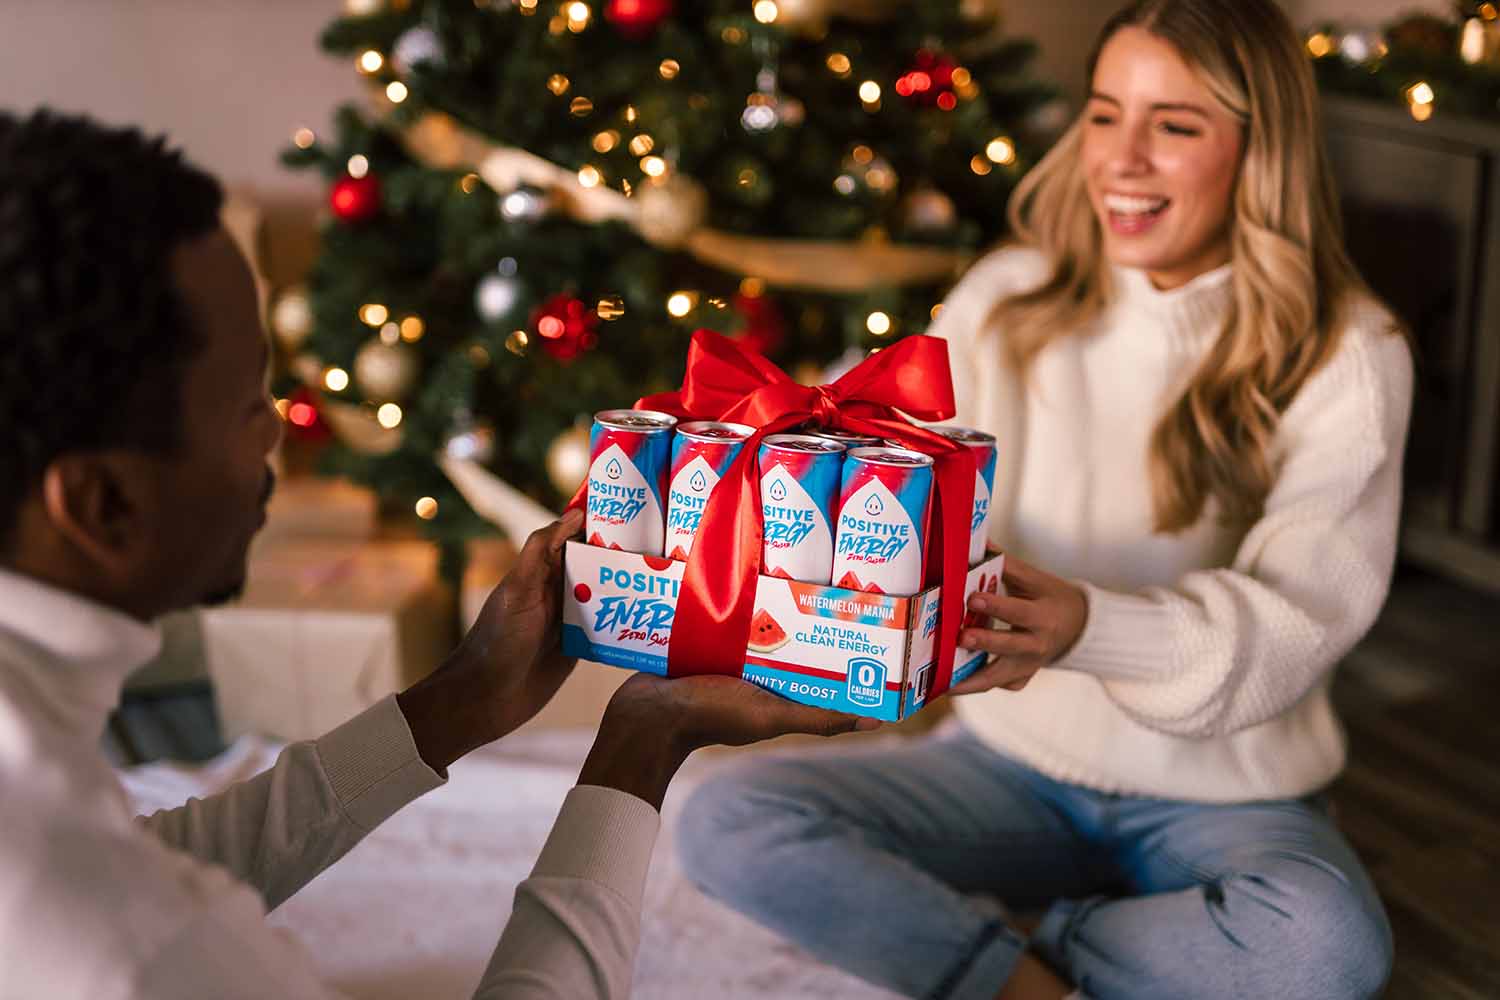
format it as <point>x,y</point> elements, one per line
<point>1201,413</point>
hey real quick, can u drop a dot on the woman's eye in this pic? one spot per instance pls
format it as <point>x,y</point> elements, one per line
<point>1101,119</point>
<point>1172,128</point>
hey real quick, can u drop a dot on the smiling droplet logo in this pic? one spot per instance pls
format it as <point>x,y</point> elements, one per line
<point>873,506</point>
<point>698,482</point>
<point>612,470</point>
<point>778,491</point>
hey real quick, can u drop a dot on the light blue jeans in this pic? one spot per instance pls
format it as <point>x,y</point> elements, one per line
<point>894,864</point>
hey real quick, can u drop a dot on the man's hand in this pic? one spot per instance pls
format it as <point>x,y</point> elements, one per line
<point>653,723</point>
<point>509,664</point>
<point>1046,615</point>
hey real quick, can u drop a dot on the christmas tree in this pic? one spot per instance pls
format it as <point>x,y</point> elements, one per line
<point>542,200</point>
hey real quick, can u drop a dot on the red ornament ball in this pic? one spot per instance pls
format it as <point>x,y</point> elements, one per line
<point>566,326</point>
<point>304,421</point>
<point>637,18</point>
<point>355,199</point>
<point>764,329</point>
<point>929,83</point>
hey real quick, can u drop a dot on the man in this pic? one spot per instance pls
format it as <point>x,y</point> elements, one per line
<point>134,432</point>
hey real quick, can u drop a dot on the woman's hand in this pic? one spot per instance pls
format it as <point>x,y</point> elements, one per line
<point>1046,615</point>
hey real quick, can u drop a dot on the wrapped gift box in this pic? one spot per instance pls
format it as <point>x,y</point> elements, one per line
<point>863,653</point>
<point>315,507</point>
<point>324,630</point>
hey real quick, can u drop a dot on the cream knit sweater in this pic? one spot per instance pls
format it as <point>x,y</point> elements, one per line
<point>1202,673</point>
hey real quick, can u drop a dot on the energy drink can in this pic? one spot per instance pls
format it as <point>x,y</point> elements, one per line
<point>630,455</point>
<point>799,482</point>
<point>882,521</point>
<point>849,439</point>
<point>701,453</point>
<point>983,446</point>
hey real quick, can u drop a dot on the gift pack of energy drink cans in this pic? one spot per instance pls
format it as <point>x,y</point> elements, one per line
<point>837,507</point>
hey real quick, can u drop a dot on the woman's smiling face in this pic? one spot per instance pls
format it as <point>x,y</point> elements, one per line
<point>1161,157</point>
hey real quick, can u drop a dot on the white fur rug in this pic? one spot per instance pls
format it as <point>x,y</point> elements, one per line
<point>415,909</point>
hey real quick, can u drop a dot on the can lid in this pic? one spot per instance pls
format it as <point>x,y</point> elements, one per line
<point>714,430</point>
<point>636,420</point>
<point>845,436</point>
<point>803,442</point>
<point>891,456</point>
<point>963,435</point>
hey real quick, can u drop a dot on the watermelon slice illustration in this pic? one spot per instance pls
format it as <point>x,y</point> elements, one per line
<point>766,633</point>
<point>778,572</point>
<point>850,582</point>
<point>679,554</point>
<point>659,564</point>
<point>597,539</point>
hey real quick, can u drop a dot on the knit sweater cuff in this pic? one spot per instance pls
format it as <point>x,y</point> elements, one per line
<point>1126,637</point>
<point>603,835</point>
<point>373,765</point>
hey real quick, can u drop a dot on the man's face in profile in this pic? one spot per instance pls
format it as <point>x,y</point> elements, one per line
<point>209,496</point>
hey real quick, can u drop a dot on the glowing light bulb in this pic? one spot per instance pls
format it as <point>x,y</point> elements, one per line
<point>1001,150</point>
<point>389,415</point>
<point>427,508</point>
<point>336,379</point>
<point>653,166</point>
<point>374,314</point>
<point>412,329</point>
<point>766,11</point>
<point>370,61</point>
<point>589,176</point>
<point>395,91</point>
<point>680,304</point>
<point>304,138</point>
<point>869,92</point>
<point>878,323</point>
<point>358,165</point>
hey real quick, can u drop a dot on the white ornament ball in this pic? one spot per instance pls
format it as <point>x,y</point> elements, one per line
<point>472,441</point>
<point>292,318</point>
<point>929,210</point>
<point>385,372</point>
<point>671,212</point>
<point>415,46</point>
<point>568,459</point>
<point>495,296</point>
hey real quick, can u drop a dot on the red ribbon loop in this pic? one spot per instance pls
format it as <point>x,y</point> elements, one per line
<point>725,382</point>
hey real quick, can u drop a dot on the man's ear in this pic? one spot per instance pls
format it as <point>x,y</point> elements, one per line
<point>95,502</point>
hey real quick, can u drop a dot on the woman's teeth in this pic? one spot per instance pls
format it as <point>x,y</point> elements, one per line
<point>1129,205</point>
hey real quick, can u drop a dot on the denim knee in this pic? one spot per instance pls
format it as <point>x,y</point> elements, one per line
<point>732,820</point>
<point>1320,933</point>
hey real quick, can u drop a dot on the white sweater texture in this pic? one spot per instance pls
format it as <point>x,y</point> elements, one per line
<point>1202,673</point>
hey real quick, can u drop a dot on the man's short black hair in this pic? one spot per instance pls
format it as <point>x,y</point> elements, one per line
<point>93,332</point>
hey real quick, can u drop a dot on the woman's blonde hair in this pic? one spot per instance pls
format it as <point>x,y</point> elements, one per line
<point>1291,275</point>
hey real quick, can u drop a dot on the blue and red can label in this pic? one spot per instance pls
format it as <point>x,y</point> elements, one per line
<point>983,447</point>
<point>882,521</point>
<point>702,452</point>
<point>629,458</point>
<point>799,484</point>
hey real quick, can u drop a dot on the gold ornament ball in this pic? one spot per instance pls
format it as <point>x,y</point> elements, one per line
<point>385,372</point>
<point>671,212</point>
<point>804,16</point>
<point>568,459</point>
<point>292,318</point>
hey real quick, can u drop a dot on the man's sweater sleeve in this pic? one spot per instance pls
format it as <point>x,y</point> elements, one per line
<point>577,920</point>
<point>280,829</point>
<point>1225,649</point>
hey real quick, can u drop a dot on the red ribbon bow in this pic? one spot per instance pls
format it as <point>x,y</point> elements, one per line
<point>726,382</point>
